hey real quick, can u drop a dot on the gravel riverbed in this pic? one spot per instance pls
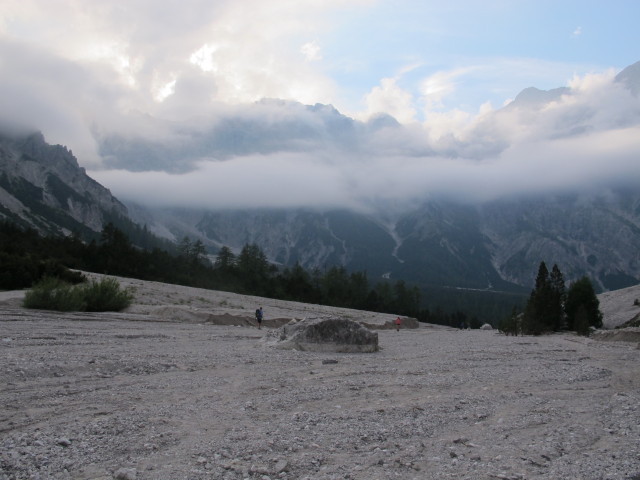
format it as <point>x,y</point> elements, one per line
<point>123,396</point>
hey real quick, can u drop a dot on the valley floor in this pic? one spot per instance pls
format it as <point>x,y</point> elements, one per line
<point>103,396</point>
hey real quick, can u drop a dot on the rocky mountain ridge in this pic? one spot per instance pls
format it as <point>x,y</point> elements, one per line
<point>43,187</point>
<point>496,246</point>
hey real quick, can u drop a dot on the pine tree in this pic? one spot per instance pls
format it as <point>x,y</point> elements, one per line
<point>225,261</point>
<point>254,270</point>
<point>582,294</point>
<point>537,309</point>
<point>545,309</point>
<point>511,325</point>
<point>559,296</point>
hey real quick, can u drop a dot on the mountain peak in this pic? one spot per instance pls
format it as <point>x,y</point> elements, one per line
<point>535,97</point>
<point>630,77</point>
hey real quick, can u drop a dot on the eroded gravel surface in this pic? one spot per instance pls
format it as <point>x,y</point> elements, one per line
<point>106,396</point>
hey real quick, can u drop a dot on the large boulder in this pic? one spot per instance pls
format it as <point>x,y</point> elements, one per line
<point>328,334</point>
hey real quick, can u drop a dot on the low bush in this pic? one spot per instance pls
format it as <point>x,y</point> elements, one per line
<point>51,293</point>
<point>105,296</point>
<point>54,294</point>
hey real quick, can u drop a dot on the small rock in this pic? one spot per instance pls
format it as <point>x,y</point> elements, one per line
<point>282,466</point>
<point>126,474</point>
<point>64,442</point>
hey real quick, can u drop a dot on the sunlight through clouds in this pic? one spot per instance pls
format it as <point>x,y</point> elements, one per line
<point>412,92</point>
<point>389,98</point>
<point>311,51</point>
<point>203,58</point>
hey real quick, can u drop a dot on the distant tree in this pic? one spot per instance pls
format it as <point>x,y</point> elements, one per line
<point>335,287</point>
<point>581,321</point>
<point>358,289</point>
<point>225,261</point>
<point>296,284</point>
<point>117,256</point>
<point>544,311</point>
<point>383,297</point>
<point>581,295</point>
<point>558,298</point>
<point>511,325</point>
<point>538,305</point>
<point>199,252</point>
<point>253,269</point>
<point>113,238</point>
<point>407,299</point>
<point>193,251</point>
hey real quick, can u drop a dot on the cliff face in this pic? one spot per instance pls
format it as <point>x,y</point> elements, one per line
<point>43,187</point>
<point>593,235</point>
<point>494,246</point>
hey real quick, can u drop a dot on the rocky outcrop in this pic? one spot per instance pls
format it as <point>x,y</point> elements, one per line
<point>330,334</point>
<point>43,187</point>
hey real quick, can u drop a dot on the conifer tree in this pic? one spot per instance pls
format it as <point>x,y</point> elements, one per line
<point>582,295</point>
<point>225,261</point>
<point>537,311</point>
<point>559,296</point>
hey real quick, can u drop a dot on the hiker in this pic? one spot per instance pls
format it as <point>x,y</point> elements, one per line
<point>397,322</point>
<point>259,317</point>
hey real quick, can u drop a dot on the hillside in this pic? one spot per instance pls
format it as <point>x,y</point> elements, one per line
<point>620,306</point>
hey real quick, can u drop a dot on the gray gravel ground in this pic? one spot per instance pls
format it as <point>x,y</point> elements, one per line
<point>104,396</point>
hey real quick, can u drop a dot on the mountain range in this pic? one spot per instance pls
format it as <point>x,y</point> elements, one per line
<point>492,246</point>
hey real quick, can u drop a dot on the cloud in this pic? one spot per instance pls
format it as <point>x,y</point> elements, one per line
<point>311,51</point>
<point>439,85</point>
<point>586,139</point>
<point>279,180</point>
<point>245,48</point>
<point>166,103</point>
<point>389,98</point>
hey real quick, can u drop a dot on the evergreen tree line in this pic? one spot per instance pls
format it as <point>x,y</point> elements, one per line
<point>26,257</point>
<point>551,307</point>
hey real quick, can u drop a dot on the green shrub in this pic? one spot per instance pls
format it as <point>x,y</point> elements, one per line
<point>51,293</point>
<point>105,296</point>
<point>54,294</point>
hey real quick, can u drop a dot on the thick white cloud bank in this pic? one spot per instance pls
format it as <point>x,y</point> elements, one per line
<point>162,103</point>
<point>586,138</point>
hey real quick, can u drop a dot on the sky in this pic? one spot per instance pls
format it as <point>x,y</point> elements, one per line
<point>202,102</point>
